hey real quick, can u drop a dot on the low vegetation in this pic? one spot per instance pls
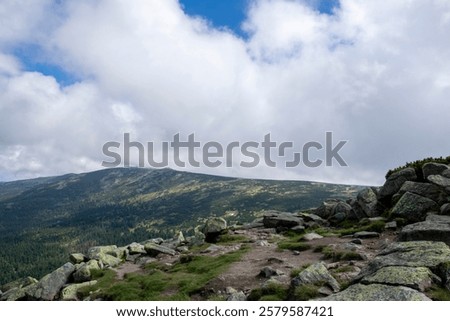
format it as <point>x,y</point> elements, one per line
<point>271,292</point>
<point>339,255</point>
<point>161,282</point>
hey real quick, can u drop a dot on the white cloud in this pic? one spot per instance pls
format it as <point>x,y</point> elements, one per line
<point>374,74</point>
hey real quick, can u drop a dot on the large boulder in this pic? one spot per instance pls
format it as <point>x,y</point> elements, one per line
<point>413,207</point>
<point>439,180</point>
<point>84,273</point>
<point>341,212</point>
<point>427,190</point>
<point>213,227</point>
<point>316,274</point>
<point>367,201</point>
<point>274,219</point>
<point>435,228</point>
<point>326,210</point>
<point>93,252</point>
<point>414,254</point>
<point>136,248</point>
<point>377,292</point>
<point>108,260</point>
<point>77,258</point>
<point>418,278</point>
<point>394,182</point>
<point>155,249</point>
<point>50,285</point>
<point>433,169</point>
<point>69,293</point>
<point>20,283</point>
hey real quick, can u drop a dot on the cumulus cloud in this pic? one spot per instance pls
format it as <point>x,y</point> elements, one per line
<point>375,75</point>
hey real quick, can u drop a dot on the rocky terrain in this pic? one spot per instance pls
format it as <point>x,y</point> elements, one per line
<point>388,243</point>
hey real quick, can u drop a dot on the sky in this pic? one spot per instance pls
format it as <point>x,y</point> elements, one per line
<point>75,75</point>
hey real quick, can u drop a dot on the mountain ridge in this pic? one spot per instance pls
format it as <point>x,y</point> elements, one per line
<point>75,211</point>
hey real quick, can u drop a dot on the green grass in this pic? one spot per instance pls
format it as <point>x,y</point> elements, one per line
<point>438,294</point>
<point>228,239</point>
<point>294,246</point>
<point>297,271</point>
<point>330,253</point>
<point>377,226</point>
<point>306,292</point>
<point>272,292</point>
<point>178,282</point>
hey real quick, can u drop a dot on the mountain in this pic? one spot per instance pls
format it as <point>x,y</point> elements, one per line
<point>43,220</point>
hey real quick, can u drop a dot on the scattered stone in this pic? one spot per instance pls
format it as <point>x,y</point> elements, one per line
<point>312,236</point>
<point>391,225</point>
<point>377,292</point>
<point>69,293</point>
<point>237,296</point>
<point>145,260</point>
<point>132,257</point>
<point>77,258</point>
<point>316,274</point>
<point>213,228</point>
<point>326,210</point>
<point>20,283</point>
<point>413,207</point>
<point>356,241</point>
<point>108,260</point>
<point>183,249</point>
<point>84,273</point>
<point>418,278</point>
<point>230,290</point>
<point>366,235</point>
<point>269,271</point>
<point>179,238</point>
<point>275,260</point>
<point>136,248</point>
<point>262,243</point>
<point>93,252</point>
<point>298,229</point>
<point>213,248</point>
<point>296,252</point>
<point>367,200</point>
<point>154,249</point>
<point>308,218</point>
<point>274,219</point>
<point>198,238</point>
<point>49,286</point>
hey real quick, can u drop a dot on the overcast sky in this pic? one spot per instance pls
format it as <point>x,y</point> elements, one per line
<point>77,74</point>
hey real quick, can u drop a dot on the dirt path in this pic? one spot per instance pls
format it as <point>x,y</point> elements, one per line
<point>244,275</point>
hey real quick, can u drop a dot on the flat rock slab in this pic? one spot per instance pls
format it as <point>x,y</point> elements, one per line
<point>414,254</point>
<point>366,235</point>
<point>417,278</point>
<point>155,249</point>
<point>435,228</point>
<point>377,292</point>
